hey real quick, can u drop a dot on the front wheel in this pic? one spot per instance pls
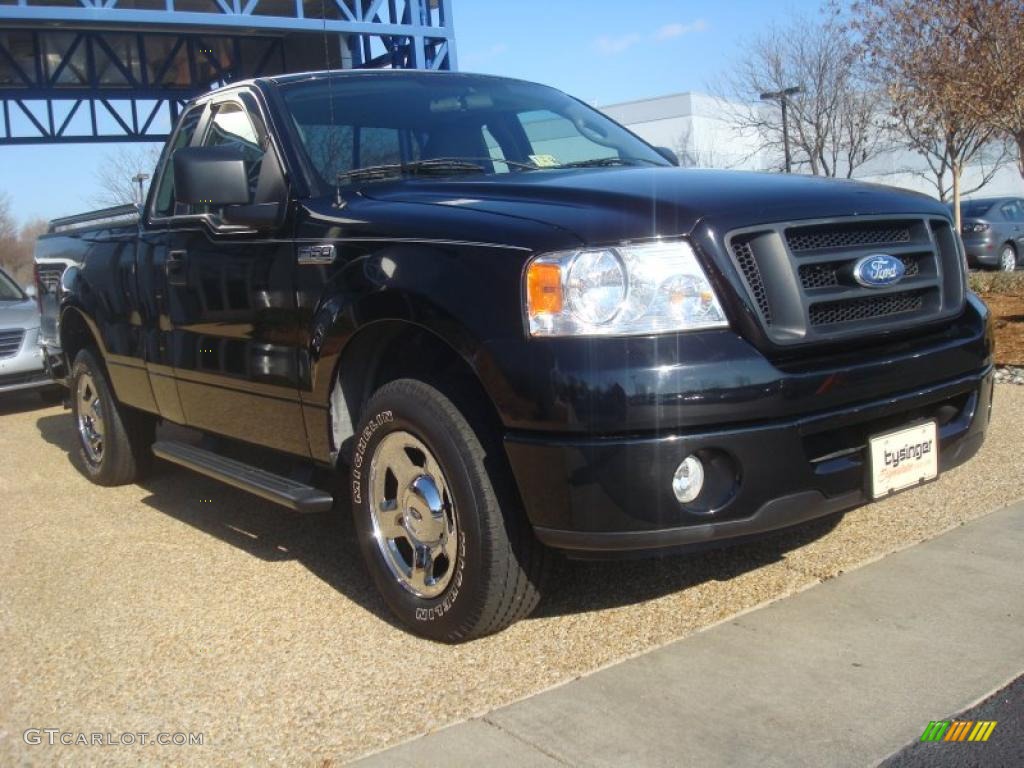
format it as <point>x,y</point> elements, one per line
<point>438,519</point>
<point>1007,259</point>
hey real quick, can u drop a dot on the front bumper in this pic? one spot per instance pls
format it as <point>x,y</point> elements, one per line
<point>25,369</point>
<point>613,495</point>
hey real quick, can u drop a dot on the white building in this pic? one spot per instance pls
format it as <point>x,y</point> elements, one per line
<point>697,127</point>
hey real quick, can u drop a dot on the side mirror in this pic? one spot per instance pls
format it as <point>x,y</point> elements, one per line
<point>668,154</point>
<point>213,176</point>
<point>30,291</point>
<point>258,216</point>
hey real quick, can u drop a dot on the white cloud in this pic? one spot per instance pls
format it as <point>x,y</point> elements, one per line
<point>670,31</point>
<point>614,45</point>
<point>611,46</point>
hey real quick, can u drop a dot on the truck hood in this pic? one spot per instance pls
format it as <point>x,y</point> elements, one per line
<point>19,314</point>
<point>610,205</point>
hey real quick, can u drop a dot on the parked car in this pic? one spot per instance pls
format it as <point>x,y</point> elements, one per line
<point>993,232</point>
<point>21,358</point>
<point>512,326</point>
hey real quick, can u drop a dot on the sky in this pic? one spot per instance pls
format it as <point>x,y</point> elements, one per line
<point>602,51</point>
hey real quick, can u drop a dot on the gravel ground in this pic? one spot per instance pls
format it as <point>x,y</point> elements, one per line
<point>182,605</point>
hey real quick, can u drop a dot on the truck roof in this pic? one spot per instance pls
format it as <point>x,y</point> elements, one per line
<point>343,74</point>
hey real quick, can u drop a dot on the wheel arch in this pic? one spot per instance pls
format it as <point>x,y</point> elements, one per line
<point>77,332</point>
<point>388,349</point>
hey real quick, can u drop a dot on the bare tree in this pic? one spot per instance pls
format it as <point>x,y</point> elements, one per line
<point>976,145</point>
<point>833,121</point>
<point>117,169</point>
<point>17,243</point>
<point>8,226</point>
<point>994,82</point>
<point>924,53</point>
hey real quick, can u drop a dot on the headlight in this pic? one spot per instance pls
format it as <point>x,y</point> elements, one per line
<point>622,291</point>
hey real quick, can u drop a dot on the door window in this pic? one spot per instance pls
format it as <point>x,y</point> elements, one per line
<point>231,126</point>
<point>1011,211</point>
<point>163,203</point>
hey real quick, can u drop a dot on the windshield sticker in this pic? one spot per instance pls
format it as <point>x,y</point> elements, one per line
<point>545,161</point>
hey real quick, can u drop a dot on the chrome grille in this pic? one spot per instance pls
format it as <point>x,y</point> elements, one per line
<point>10,342</point>
<point>800,276</point>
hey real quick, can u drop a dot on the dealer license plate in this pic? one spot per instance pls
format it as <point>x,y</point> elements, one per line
<point>903,458</point>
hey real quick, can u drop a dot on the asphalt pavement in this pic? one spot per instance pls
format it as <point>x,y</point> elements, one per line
<point>1004,747</point>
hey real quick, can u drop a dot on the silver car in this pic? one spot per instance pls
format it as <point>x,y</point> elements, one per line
<point>21,358</point>
<point>993,232</point>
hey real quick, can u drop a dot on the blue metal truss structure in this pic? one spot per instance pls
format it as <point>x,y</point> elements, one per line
<point>121,70</point>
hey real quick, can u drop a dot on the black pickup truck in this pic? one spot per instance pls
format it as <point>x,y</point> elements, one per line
<point>511,326</point>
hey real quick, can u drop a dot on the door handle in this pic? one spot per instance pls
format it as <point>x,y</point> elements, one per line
<point>176,267</point>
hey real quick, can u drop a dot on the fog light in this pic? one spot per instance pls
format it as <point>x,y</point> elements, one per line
<point>688,480</point>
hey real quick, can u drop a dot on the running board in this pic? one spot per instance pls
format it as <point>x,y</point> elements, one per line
<point>280,490</point>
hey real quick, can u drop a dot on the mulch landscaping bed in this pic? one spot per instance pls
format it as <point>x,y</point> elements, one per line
<point>1008,312</point>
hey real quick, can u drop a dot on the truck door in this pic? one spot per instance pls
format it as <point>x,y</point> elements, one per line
<point>232,312</point>
<point>151,256</point>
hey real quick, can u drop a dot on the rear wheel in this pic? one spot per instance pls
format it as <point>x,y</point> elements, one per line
<point>1007,259</point>
<point>438,519</point>
<point>113,440</point>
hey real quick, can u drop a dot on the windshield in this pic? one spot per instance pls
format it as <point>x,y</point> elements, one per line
<point>497,126</point>
<point>9,290</point>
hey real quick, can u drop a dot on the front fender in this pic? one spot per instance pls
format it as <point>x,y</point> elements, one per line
<point>463,294</point>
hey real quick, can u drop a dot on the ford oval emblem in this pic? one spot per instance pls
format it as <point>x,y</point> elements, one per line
<point>878,270</point>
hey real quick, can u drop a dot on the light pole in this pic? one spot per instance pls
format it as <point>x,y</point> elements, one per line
<point>783,98</point>
<point>139,178</point>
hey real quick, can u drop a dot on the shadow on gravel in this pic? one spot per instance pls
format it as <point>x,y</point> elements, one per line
<point>22,402</point>
<point>326,545</point>
<point>582,586</point>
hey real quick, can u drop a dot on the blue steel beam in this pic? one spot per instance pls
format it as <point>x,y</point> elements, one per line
<point>418,19</point>
<point>86,72</point>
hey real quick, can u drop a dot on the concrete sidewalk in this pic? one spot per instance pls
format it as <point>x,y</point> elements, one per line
<point>843,674</point>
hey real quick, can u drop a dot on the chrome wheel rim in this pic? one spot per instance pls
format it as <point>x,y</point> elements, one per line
<point>1008,260</point>
<point>413,515</point>
<point>90,418</point>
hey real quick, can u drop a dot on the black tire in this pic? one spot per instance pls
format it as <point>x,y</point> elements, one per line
<point>127,434</point>
<point>500,566</point>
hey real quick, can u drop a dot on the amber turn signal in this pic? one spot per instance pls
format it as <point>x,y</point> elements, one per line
<point>544,289</point>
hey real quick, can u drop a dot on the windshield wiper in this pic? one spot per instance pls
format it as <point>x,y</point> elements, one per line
<point>510,163</point>
<point>606,162</point>
<point>439,166</point>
